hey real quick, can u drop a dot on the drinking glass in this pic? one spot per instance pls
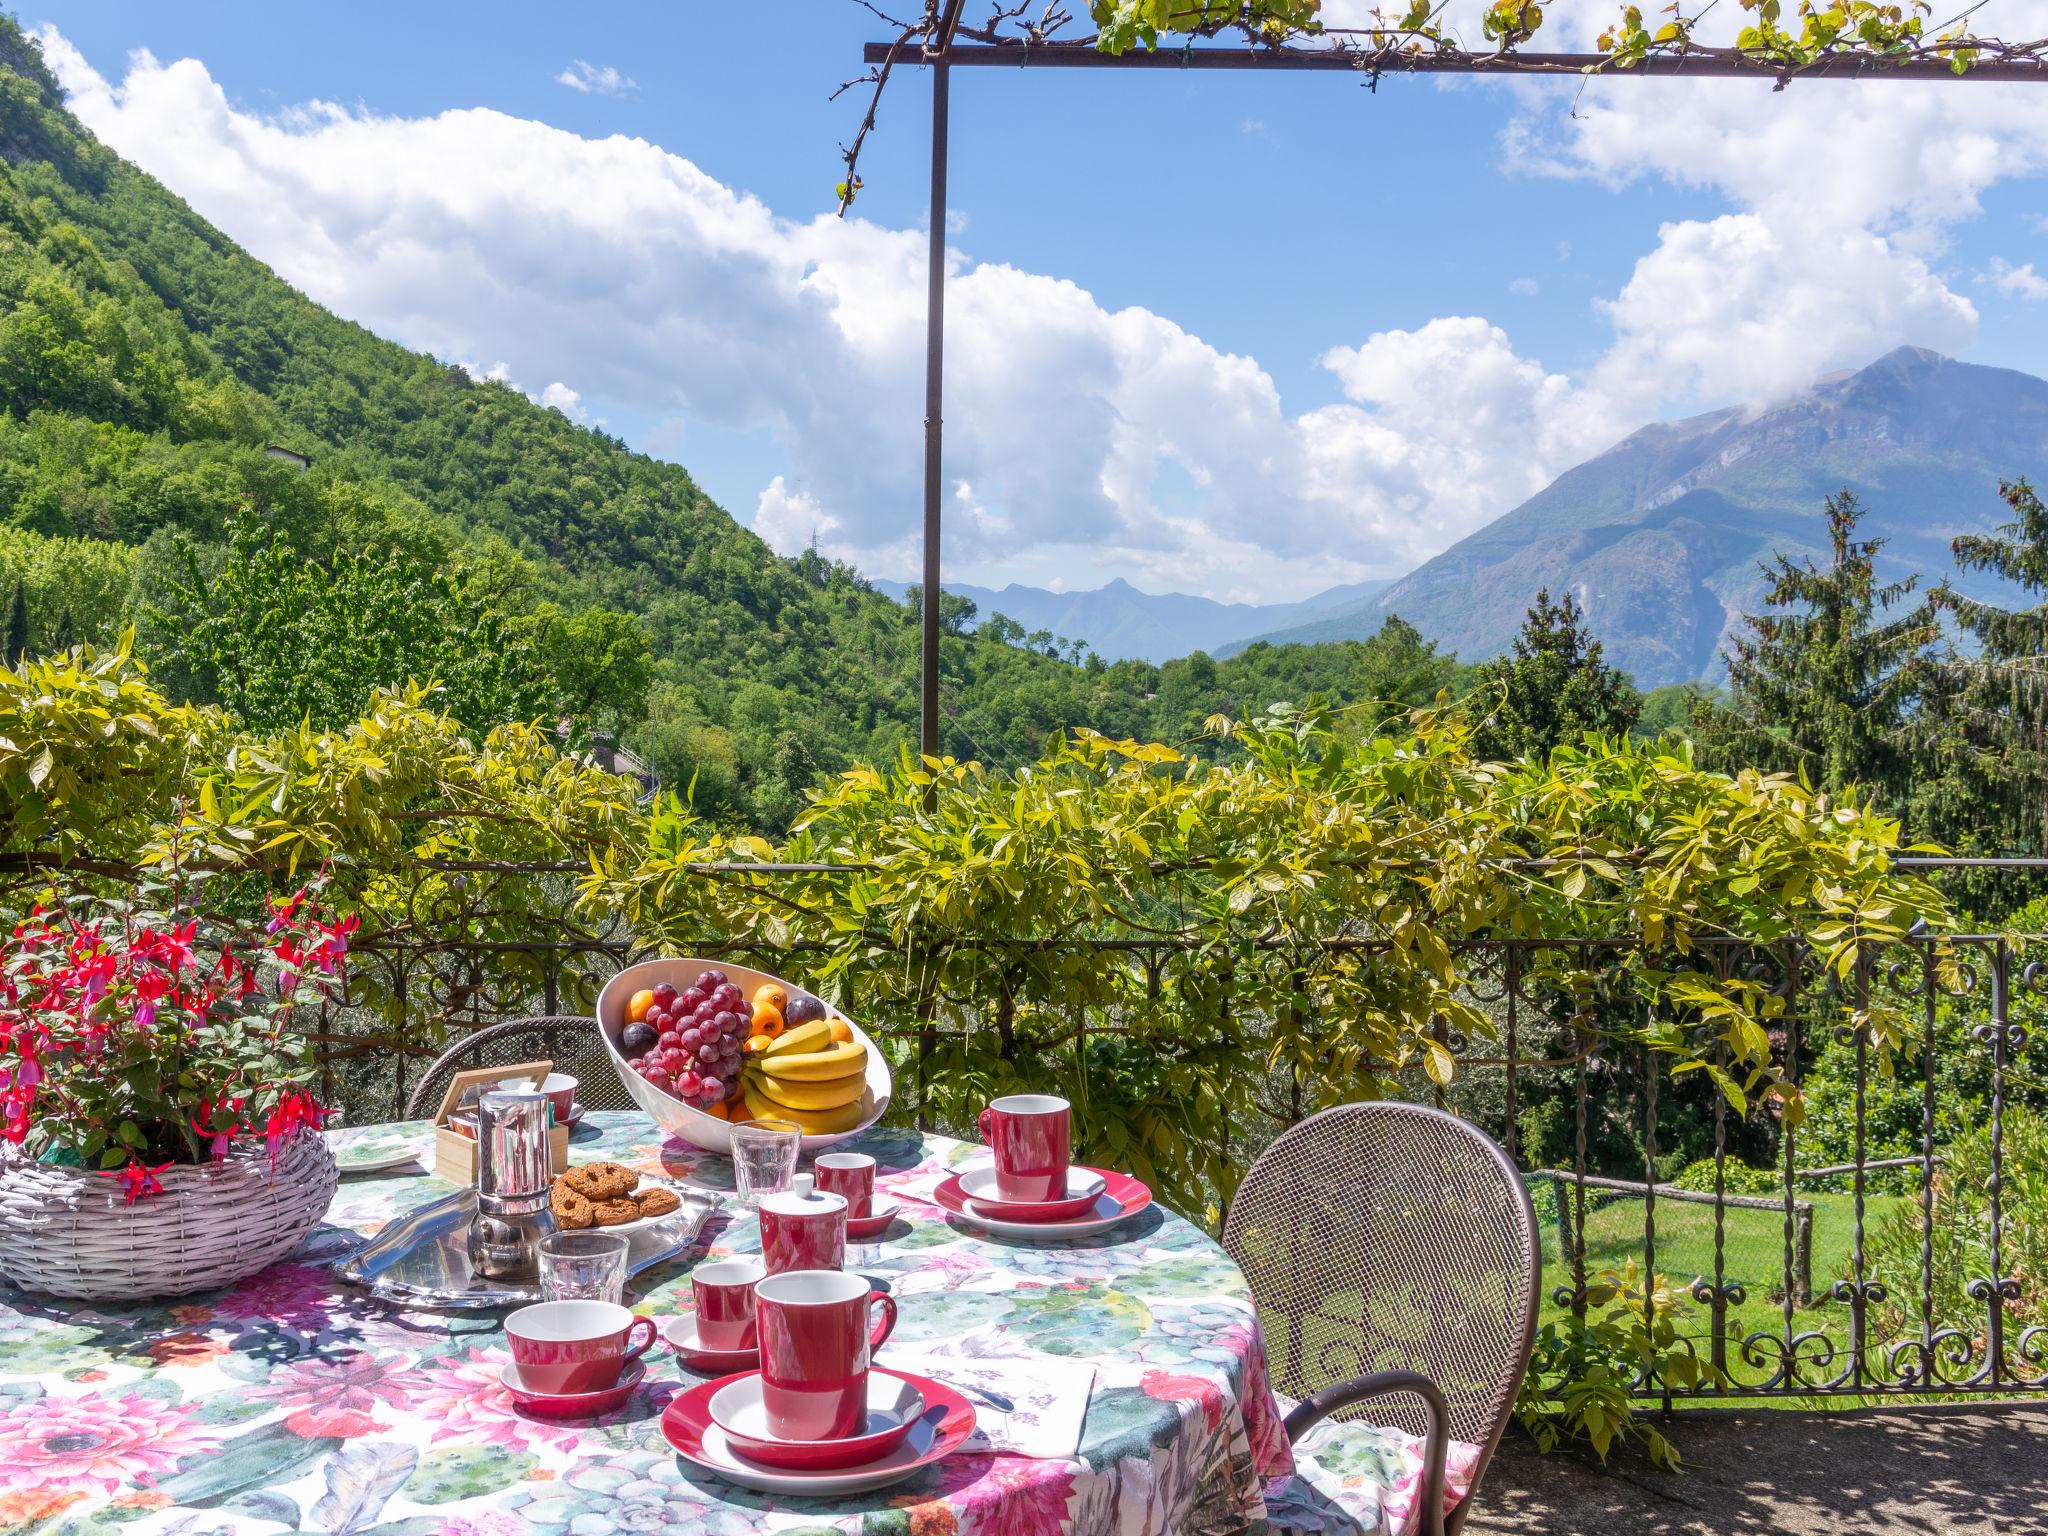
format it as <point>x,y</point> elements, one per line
<point>764,1156</point>
<point>583,1266</point>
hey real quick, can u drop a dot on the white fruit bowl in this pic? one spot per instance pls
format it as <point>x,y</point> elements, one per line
<point>680,1119</point>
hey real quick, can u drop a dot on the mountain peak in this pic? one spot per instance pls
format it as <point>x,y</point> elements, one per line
<point>1663,534</point>
<point>1908,357</point>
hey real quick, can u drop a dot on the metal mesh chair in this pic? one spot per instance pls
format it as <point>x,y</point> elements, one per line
<point>1392,1252</point>
<point>570,1041</point>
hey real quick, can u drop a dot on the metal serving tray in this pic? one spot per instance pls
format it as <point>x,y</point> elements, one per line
<point>422,1259</point>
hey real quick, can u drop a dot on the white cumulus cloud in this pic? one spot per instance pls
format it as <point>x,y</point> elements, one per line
<point>1082,438</point>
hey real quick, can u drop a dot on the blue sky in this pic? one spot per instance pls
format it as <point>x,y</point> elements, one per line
<point>1243,336</point>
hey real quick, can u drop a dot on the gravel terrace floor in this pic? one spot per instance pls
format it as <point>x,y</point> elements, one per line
<point>1907,1471</point>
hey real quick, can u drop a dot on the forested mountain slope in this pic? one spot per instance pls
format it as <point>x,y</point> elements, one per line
<point>147,365</point>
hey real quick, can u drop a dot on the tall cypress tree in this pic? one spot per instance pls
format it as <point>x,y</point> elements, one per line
<point>1824,680</point>
<point>1552,687</point>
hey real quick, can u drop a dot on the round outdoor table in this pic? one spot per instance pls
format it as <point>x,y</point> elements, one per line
<point>293,1402</point>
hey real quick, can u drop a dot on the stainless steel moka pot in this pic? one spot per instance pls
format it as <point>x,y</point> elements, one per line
<point>513,1172</point>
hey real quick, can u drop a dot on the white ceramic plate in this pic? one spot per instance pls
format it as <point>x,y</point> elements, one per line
<point>716,1456</point>
<point>680,1119</point>
<point>371,1149</point>
<point>680,1191</point>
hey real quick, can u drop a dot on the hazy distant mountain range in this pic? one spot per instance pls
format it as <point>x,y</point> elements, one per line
<point>1660,537</point>
<point>1118,621</point>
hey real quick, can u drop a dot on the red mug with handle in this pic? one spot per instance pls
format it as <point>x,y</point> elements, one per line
<point>566,1347</point>
<point>724,1295</point>
<point>849,1175</point>
<point>1029,1134</point>
<point>817,1339</point>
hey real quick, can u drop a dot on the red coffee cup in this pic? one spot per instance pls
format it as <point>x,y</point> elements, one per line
<point>816,1342</point>
<point>851,1176</point>
<point>1029,1135</point>
<point>724,1296</point>
<point>575,1346</point>
<point>802,1231</point>
<point>560,1088</point>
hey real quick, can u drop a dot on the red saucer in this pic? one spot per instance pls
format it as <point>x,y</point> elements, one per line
<point>681,1336</point>
<point>863,1229</point>
<point>688,1427</point>
<point>573,1405</point>
<point>1062,1209</point>
<point>1122,1198</point>
<point>893,1407</point>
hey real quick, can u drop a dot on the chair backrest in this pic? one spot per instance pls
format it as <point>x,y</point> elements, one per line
<point>1392,1236</point>
<point>570,1041</point>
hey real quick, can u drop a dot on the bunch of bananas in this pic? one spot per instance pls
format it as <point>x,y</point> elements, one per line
<point>807,1076</point>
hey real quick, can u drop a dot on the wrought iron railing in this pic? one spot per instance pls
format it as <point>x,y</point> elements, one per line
<point>1894,1244</point>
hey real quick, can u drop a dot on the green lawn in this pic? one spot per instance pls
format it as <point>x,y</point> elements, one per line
<point>1753,1247</point>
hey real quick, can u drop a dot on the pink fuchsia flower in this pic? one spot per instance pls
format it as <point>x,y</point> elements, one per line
<point>463,1396</point>
<point>136,1179</point>
<point>337,1396</point>
<point>95,1443</point>
<point>333,947</point>
<point>293,1111</point>
<point>286,912</point>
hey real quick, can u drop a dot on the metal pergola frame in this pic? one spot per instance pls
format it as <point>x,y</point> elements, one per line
<point>942,53</point>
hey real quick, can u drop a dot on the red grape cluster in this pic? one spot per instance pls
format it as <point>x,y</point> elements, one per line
<point>689,1044</point>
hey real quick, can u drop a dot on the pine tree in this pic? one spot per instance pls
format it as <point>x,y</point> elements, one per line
<point>1553,686</point>
<point>1984,729</point>
<point>17,624</point>
<point>1823,683</point>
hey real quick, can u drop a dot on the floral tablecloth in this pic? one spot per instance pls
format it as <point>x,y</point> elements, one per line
<point>295,1403</point>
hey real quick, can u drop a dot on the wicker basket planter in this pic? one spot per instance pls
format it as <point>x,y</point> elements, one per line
<point>66,1231</point>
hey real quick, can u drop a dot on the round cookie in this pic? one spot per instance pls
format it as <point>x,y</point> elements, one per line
<point>656,1201</point>
<point>610,1213</point>
<point>598,1182</point>
<point>571,1209</point>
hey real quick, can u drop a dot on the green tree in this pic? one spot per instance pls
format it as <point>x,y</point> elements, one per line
<point>277,636</point>
<point>1671,710</point>
<point>1824,682</point>
<point>17,624</point>
<point>600,662</point>
<point>1983,727</point>
<point>1552,687</point>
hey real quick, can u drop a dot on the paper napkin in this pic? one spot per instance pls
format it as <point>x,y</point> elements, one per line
<point>1027,1406</point>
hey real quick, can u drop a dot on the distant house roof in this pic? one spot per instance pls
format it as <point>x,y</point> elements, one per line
<point>291,455</point>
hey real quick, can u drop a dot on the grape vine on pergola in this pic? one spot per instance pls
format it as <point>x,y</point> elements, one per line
<point>1833,40</point>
